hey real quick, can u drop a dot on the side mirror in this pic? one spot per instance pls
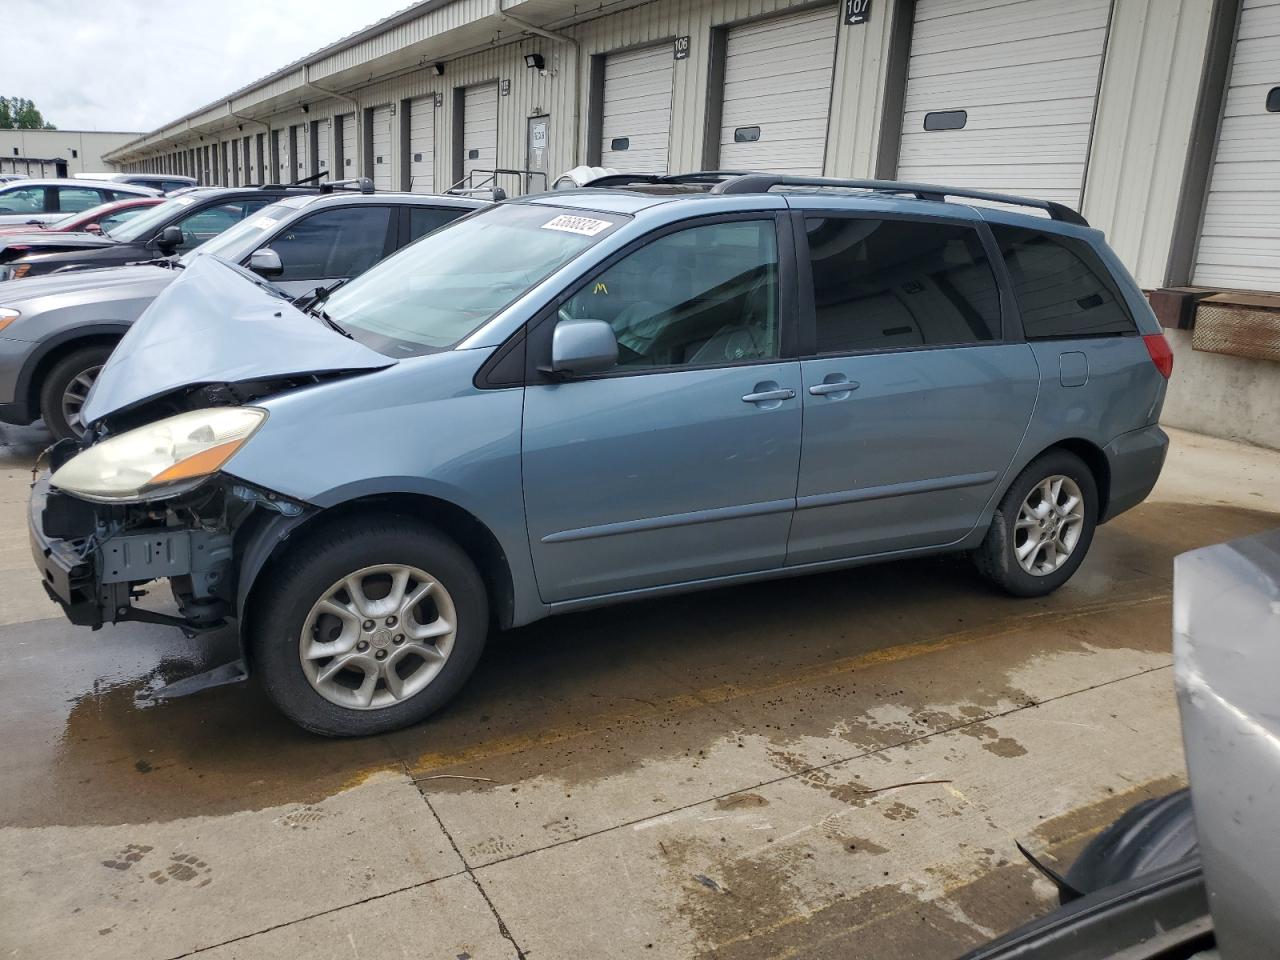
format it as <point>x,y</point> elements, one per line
<point>583,346</point>
<point>170,239</point>
<point>93,228</point>
<point>266,263</point>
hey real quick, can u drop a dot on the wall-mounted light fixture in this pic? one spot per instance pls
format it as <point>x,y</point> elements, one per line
<point>535,61</point>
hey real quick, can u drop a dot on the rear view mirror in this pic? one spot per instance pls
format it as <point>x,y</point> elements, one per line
<point>170,239</point>
<point>583,346</point>
<point>266,263</point>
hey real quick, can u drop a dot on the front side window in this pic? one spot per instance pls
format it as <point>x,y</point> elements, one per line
<point>22,200</point>
<point>76,199</point>
<point>208,223</point>
<point>246,236</point>
<point>333,243</point>
<point>886,284</point>
<point>703,296</point>
<point>1062,288</point>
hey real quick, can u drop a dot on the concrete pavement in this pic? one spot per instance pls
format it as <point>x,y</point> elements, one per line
<point>830,766</point>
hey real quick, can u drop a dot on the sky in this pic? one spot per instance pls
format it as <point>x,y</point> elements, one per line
<point>137,64</point>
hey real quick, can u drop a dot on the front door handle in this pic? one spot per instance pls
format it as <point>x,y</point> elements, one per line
<point>834,386</point>
<point>766,396</point>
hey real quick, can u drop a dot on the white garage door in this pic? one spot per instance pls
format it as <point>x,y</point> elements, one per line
<point>422,144</point>
<point>323,132</point>
<point>350,157</point>
<point>382,147</point>
<point>1240,235</point>
<point>1007,88</point>
<point>777,94</point>
<point>479,129</point>
<point>636,120</point>
<point>299,154</point>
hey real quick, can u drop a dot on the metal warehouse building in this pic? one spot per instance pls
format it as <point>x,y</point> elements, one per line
<point>1158,119</point>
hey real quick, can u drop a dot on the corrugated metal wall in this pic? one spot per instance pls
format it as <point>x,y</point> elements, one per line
<point>1146,109</point>
<point>1143,128</point>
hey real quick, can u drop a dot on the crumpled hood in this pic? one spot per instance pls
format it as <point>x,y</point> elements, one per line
<point>14,292</point>
<point>215,325</point>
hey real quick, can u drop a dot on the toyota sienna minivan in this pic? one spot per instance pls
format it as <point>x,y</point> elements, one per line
<point>645,386</point>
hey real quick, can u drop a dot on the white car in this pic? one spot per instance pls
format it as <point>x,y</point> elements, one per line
<point>46,200</point>
<point>167,182</point>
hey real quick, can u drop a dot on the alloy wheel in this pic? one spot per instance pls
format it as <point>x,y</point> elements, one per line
<point>378,637</point>
<point>1049,525</point>
<point>74,396</point>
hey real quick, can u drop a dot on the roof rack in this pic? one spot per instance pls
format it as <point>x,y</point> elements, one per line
<point>634,179</point>
<point>764,182</point>
<point>308,185</point>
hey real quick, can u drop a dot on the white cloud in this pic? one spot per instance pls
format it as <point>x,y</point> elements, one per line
<point>137,64</point>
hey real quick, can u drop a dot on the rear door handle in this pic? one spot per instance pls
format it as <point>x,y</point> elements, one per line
<point>765,396</point>
<point>835,386</point>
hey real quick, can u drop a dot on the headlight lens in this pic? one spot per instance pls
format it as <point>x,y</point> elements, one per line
<point>161,459</point>
<point>7,316</point>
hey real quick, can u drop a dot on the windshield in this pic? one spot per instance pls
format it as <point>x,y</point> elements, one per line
<point>237,242</point>
<point>436,292</point>
<point>145,224</point>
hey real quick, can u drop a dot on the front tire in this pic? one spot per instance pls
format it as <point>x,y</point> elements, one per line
<point>66,386</point>
<point>1042,528</point>
<point>371,625</point>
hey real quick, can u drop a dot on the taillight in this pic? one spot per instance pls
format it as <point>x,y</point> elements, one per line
<point>1161,355</point>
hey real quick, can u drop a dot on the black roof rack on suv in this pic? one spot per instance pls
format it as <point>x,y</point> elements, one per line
<point>637,179</point>
<point>764,182</point>
<point>309,185</point>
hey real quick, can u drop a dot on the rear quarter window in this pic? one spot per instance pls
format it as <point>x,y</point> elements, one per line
<point>1062,287</point>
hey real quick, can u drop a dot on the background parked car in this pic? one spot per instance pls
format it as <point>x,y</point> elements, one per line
<point>179,224</point>
<point>94,220</point>
<point>62,327</point>
<point>158,181</point>
<point>41,201</point>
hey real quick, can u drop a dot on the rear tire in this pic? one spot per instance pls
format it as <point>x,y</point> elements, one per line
<point>1039,535</point>
<point>300,616</point>
<point>66,386</point>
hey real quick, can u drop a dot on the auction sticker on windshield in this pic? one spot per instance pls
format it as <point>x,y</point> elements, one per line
<point>264,223</point>
<point>585,226</point>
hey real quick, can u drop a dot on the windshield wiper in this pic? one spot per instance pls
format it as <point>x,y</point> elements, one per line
<point>312,305</point>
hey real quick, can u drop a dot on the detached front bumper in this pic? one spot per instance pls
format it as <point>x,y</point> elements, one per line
<point>91,567</point>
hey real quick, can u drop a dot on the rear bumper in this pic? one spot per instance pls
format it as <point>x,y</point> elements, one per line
<point>1135,459</point>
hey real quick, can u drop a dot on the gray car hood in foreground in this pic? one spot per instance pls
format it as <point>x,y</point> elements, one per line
<point>215,325</point>
<point>1226,649</point>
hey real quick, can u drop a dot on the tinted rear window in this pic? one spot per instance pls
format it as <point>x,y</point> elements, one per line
<point>885,284</point>
<point>1063,289</point>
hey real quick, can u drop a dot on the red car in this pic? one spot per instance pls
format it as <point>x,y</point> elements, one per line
<point>92,220</point>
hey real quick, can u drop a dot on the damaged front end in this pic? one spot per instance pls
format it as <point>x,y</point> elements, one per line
<point>94,557</point>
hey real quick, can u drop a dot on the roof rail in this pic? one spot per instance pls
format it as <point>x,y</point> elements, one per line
<point>632,179</point>
<point>764,182</point>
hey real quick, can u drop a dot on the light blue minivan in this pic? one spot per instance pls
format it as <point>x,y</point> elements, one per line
<point>651,385</point>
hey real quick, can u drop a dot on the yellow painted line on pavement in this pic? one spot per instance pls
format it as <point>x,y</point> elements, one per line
<point>726,693</point>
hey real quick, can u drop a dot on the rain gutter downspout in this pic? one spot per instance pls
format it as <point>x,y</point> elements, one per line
<point>528,27</point>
